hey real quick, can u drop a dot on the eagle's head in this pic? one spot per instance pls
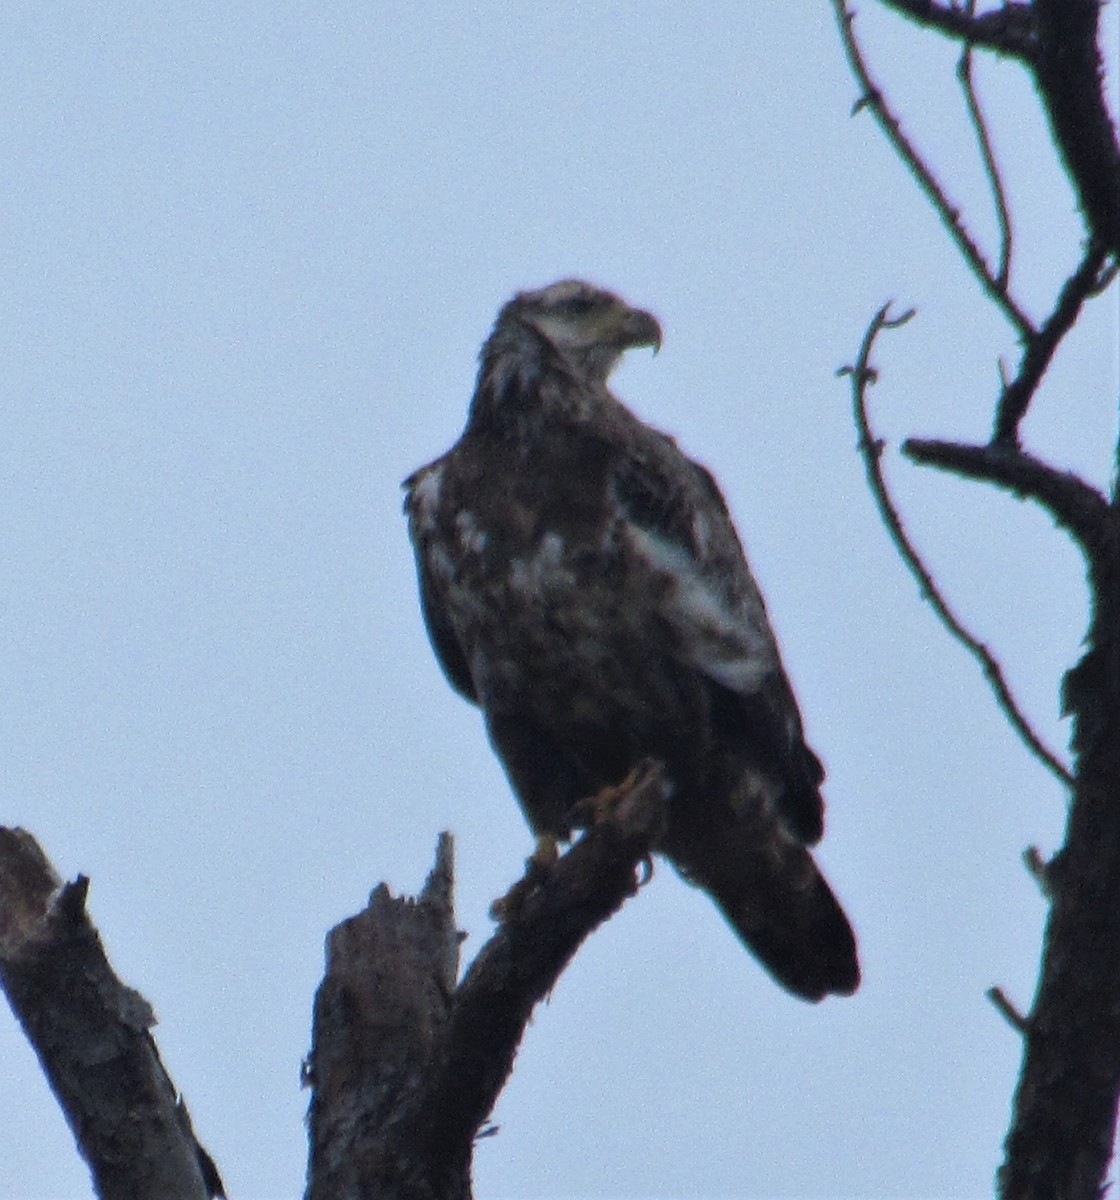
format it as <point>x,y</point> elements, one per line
<point>588,326</point>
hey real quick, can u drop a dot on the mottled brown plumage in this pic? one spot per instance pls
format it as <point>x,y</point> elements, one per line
<point>582,583</point>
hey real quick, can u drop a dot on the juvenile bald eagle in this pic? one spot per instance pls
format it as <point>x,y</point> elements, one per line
<point>582,582</point>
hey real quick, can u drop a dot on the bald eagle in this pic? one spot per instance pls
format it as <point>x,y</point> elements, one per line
<point>583,584</point>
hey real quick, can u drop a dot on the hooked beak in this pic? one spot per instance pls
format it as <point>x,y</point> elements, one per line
<point>639,328</point>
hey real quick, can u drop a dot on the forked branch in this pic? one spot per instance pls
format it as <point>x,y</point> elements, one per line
<point>405,1065</point>
<point>862,375</point>
<point>1040,346</point>
<point>872,98</point>
<point>1008,30</point>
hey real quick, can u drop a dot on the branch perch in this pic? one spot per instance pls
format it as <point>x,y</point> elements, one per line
<point>406,1067</point>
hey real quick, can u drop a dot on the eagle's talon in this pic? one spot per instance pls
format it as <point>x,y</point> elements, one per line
<point>545,854</point>
<point>538,866</point>
<point>593,810</point>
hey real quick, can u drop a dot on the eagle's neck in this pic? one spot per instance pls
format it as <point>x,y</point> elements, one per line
<point>524,381</point>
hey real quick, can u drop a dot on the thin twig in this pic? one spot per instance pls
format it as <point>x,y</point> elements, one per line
<point>950,215</point>
<point>871,448</point>
<point>1007,1010</point>
<point>987,154</point>
<point>1039,870</point>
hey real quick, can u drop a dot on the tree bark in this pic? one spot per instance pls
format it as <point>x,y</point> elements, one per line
<point>406,1066</point>
<point>1064,1122</point>
<point>91,1034</point>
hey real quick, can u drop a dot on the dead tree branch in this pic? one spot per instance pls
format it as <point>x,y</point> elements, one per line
<point>871,448</point>
<point>91,1034</point>
<point>1008,31</point>
<point>1075,505</point>
<point>872,98</point>
<point>1070,78</point>
<point>406,1066</point>
<point>1065,1106</point>
<point>1064,1110</point>
<point>1007,1010</point>
<point>991,167</point>
<point>1039,343</point>
<point>1040,346</point>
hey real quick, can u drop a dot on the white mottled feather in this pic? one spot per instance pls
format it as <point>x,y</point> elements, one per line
<point>726,645</point>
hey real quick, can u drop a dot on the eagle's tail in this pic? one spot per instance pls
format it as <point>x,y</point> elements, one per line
<point>769,888</point>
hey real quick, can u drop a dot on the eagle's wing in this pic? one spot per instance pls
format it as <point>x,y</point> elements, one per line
<point>421,495</point>
<point>745,845</point>
<point>677,522</point>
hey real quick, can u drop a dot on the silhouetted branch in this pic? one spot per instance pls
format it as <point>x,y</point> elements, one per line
<point>1040,346</point>
<point>872,98</point>
<point>1039,870</point>
<point>1071,80</point>
<point>1065,1105</point>
<point>1064,1110</point>
<point>1064,59</point>
<point>406,1067</point>
<point>987,155</point>
<point>1007,1010</point>
<point>1009,30</point>
<point>90,1032</point>
<point>871,448</point>
<point>1076,506</point>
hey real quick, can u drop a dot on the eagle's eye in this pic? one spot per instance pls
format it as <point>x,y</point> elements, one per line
<point>581,306</point>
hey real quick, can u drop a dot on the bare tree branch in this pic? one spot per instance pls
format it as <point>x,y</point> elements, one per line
<point>991,167</point>
<point>973,256</point>
<point>405,1066</point>
<point>871,448</point>
<point>1065,1105</point>
<point>1007,1010</point>
<point>1039,870</point>
<point>1076,506</point>
<point>1007,30</point>
<point>1039,347</point>
<point>1064,1111</point>
<point>1070,77</point>
<point>90,1032</point>
<point>379,1011</point>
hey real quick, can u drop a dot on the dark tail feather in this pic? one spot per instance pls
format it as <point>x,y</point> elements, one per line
<point>770,890</point>
<point>811,950</point>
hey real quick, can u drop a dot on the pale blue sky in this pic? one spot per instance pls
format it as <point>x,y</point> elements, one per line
<point>249,252</point>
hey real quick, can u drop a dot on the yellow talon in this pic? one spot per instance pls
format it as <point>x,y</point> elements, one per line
<point>545,852</point>
<point>545,855</point>
<point>594,809</point>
